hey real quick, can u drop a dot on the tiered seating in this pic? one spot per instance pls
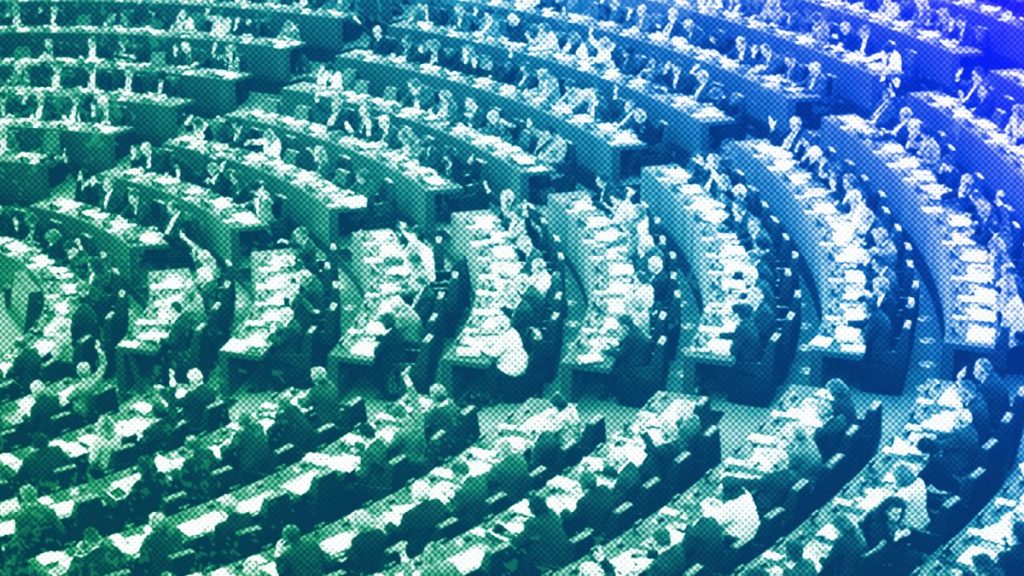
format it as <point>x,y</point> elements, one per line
<point>498,281</point>
<point>495,473</point>
<point>700,127</point>
<point>320,24</point>
<point>383,175</point>
<point>131,247</point>
<point>506,165</point>
<point>763,92</point>
<point>679,538</point>
<point>47,295</point>
<point>700,226</point>
<point>383,269</point>
<point>598,249</point>
<point>628,472</point>
<point>224,226</point>
<point>310,199</point>
<point>834,238</point>
<point>962,270</point>
<point>935,415</point>
<point>162,483</point>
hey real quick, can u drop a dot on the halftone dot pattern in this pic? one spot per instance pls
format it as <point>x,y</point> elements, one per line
<point>515,287</point>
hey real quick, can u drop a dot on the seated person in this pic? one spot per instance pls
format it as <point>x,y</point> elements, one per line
<point>95,555</point>
<point>193,395</point>
<point>443,414</point>
<point>40,465</point>
<point>104,447</point>
<point>845,557</point>
<point>511,358</point>
<point>249,450</point>
<point>295,555</point>
<point>543,541</point>
<point>886,536</point>
<point>566,420</point>
<point>36,526</point>
<point>45,404</point>
<point>736,513</point>
<point>164,539</point>
<point>510,473</point>
<point>323,398</point>
<point>747,344</point>
<point>912,490</point>
<point>804,456</point>
<point>951,457</point>
<point>195,473</point>
<point>292,426</point>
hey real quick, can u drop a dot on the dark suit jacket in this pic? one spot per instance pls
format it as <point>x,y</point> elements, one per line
<point>164,540</point>
<point>303,557</point>
<point>46,406</point>
<point>595,507</point>
<point>25,368</point>
<point>250,451</point>
<point>103,559</point>
<point>36,526</point>
<point>746,342</point>
<point>544,541</point>
<point>510,476</point>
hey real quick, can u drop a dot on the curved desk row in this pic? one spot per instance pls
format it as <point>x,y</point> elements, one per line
<point>265,58</point>
<point>324,28</point>
<point>415,187</point>
<point>506,165</point>
<point>308,199</point>
<point>960,270</point>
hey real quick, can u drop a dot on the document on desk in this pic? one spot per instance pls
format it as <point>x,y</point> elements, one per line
<point>300,484</point>
<point>204,524</point>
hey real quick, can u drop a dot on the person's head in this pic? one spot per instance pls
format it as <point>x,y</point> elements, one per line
<point>156,518</point>
<point>493,117</point>
<point>36,387</point>
<point>438,392</point>
<point>194,376</point>
<point>814,68</point>
<point>893,509</point>
<point>290,533</point>
<point>703,76</point>
<point>318,374</point>
<point>559,401</point>
<point>904,475</point>
<point>377,32</point>
<point>978,75</point>
<point>845,27</point>
<point>512,18</point>
<point>91,536</point>
<point>982,369</point>
<point>655,265</point>
<point>741,42</point>
<point>795,123</point>
<point>27,494</point>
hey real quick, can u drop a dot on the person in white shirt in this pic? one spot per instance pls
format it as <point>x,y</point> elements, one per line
<point>736,514</point>
<point>506,347</point>
<point>566,420</point>
<point>1014,128</point>
<point>796,125</point>
<point>912,489</point>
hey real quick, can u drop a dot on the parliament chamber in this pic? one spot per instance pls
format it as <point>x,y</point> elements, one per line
<point>503,287</point>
